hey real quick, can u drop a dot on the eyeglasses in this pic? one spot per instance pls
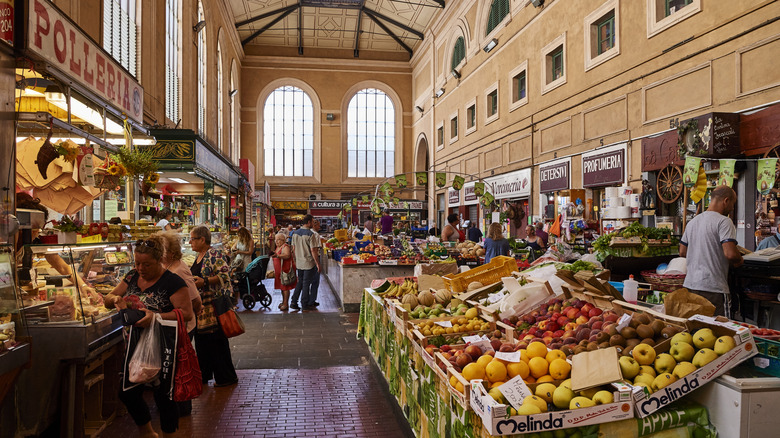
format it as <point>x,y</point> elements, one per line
<point>146,243</point>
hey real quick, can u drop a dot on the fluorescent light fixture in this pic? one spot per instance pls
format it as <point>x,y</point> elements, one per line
<point>455,74</point>
<point>491,45</point>
<point>82,111</point>
<point>439,92</point>
<point>191,172</point>
<point>179,180</point>
<point>136,141</point>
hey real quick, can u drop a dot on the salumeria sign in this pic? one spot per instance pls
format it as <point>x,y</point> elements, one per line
<point>59,42</point>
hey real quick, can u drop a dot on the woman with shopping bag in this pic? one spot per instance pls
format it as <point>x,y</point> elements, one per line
<point>158,298</point>
<point>211,270</point>
<point>284,266</point>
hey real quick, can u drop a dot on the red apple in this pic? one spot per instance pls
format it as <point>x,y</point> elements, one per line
<point>553,326</point>
<point>595,311</point>
<point>558,333</point>
<point>562,321</point>
<point>597,325</point>
<point>610,317</point>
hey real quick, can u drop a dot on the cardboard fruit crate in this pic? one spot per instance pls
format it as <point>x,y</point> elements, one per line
<point>497,421</point>
<point>646,404</point>
<point>500,266</point>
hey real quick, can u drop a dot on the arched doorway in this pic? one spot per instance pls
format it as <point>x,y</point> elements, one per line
<point>422,164</point>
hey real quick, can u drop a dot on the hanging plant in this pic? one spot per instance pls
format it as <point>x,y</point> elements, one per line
<point>137,163</point>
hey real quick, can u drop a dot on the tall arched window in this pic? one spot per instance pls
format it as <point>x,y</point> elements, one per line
<point>201,73</point>
<point>288,133</point>
<point>370,135</point>
<point>233,97</point>
<point>498,10</point>
<point>172,59</point>
<point>458,52</point>
<point>220,99</point>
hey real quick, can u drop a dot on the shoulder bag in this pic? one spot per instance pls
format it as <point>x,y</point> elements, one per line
<point>228,317</point>
<point>188,383</point>
<point>288,278</point>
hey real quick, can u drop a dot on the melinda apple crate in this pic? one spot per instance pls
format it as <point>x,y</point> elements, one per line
<point>497,421</point>
<point>646,404</point>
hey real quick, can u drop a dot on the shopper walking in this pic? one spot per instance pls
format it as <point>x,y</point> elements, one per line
<point>495,244</point>
<point>161,292</point>
<point>283,262</point>
<point>307,263</point>
<point>212,276</point>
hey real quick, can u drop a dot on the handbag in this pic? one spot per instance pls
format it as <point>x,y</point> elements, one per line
<point>188,383</point>
<point>228,317</point>
<point>288,278</point>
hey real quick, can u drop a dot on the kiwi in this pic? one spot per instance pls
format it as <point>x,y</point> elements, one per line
<point>592,346</point>
<point>627,351</point>
<point>657,326</point>
<point>617,340</point>
<point>634,323</point>
<point>668,332</point>
<point>648,341</point>
<point>643,318</point>
<point>604,345</point>
<point>567,350</point>
<point>645,331</point>
<point>610,329</point>
<point>602,337</point>
<point>632,342</point>
<point>579,349</point>
<point>628,333</point>
<point>583,343</point>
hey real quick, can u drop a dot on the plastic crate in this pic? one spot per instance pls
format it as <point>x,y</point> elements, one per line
<point>768,359</point>
<point>342,235</point>
<point>339,253</point>
<point>499,266</point>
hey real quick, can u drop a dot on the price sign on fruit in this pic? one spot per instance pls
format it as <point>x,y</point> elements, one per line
<point>445,323</point>
<point>484,345</point>
<point>623,322</point>
<point>515,391</point>
<point>509,357</point>
<point>473,339</point>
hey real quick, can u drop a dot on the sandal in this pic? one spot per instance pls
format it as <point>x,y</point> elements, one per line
<point>283,307</point>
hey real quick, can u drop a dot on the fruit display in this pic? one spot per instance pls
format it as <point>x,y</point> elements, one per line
<point>761,332</point>
<point>647,242</point>
<point>409,287</point>
<point>470,250</point>
<point>382,252</point>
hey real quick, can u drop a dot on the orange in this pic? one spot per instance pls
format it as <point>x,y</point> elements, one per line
<point>529,380</point>
<point>484,360</point>
<point>538,366</point>
<point>453,380</point>
<point>496,371</point>
<point>560,369</point>
<point>496,384</point>
<point>521,369</point>
<point>459,388</point>
<point>524,356</point>
<point>536,349</point>
<point>545,378</point>
<point>554,354</point>
<point>473,371</point>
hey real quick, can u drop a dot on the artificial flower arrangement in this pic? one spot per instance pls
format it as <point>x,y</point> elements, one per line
<point>132,163</point>
<point>67,224</point>
<point>68,150</point>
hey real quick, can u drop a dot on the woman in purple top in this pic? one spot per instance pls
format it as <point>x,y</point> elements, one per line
<point>386,222</point>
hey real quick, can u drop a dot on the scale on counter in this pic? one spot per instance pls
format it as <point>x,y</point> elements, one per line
<point>768,256</point>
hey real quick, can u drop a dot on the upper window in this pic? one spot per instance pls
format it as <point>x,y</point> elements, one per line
<point>471,116</point>
<point>601,34</point>
<point>491,103</point>
<point>458,53</point>
<point>201,73</point>
<point>498,10</point>
<point>662,14</point>
<point>288,133</point>
<point>454,127</point>
<point>370,135</point>
<point>440,136</point>
<point>220,99</point>
<point>172,55</point>
<point>554,62</point>
<point>234,142</point>
<point>518,79</point>
<point>120,32</point>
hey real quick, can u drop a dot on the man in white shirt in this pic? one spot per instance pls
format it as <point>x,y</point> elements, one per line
<point>307,261</point>
<point>316,244</point>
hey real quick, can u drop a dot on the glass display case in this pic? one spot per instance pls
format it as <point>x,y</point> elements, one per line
<point>14,344</point>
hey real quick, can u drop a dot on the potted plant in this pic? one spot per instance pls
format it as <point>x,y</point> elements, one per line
<point>66,229</point>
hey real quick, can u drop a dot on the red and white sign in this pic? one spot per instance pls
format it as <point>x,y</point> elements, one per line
<point>7,21</point>
<point>453,197</point>
<point>512,185</point>
<point>58,41</point>
<point>469,196</point>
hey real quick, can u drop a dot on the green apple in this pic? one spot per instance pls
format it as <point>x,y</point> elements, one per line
<point>649,386</point>
<point>529,409</point>
<point>562,397</point>
<point>683,369</point>
<point>629,366</point>
<point>665,363</point>
<point>682,351</point>
<point>647,369</point>
<point>581,402</point>
<point>704,338</point>
<point>566,383</point>
<point>497,395</point>
<point>644,354</point>
<point>723,344</point>
<point>704,356</point>
<point>603,398</point>
<point>663,380</point>
<point>682,337</point>
<point>647,379</point>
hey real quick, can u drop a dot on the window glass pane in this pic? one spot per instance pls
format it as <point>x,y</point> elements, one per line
<point>289,131</point>
<point>498,10</point>
<point>370,133</point>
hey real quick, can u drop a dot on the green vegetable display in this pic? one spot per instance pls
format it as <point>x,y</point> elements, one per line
<point>644,248</point>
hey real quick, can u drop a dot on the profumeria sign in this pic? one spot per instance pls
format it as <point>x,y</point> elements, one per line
<point>58,41</point>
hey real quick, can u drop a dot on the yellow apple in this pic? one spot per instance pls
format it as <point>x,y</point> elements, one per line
<point>644,354</point>
<point>724,344</point>
<point>683,369</point>
<point>665,363</point>
<point>603,398</point>
<point>682,337</point>
<point>704,338</point>
<point>647,369</point>
<point>682,351</point>
<point>663,380</point>
<point>562,397</point>
<point>703,357</point>
<point>581,402</point>
<point>647,379</point>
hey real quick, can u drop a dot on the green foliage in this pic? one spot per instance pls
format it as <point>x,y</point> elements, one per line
<point>136,161</point>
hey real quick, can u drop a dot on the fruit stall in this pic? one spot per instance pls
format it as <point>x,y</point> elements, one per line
<point>499,352</point>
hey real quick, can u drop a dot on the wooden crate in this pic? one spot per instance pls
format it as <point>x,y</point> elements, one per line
<point>500,266</point>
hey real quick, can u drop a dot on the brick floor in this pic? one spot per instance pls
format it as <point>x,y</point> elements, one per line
<point>301,374</point>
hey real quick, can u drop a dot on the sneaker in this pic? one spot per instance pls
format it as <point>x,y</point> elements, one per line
<point>294,306</point>
<point>314,304</point>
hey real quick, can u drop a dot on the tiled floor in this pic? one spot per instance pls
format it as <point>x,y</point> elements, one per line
<point>301,374</point>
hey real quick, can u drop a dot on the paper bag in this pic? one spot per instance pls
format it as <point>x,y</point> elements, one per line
<point>684,304</point>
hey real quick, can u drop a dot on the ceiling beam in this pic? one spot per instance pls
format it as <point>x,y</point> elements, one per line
<point>300,30</point>
<point>390,32</point>
<point>393,22</point>
<point>254,35</point>
<point>266,15</point>
<point>356,52</point>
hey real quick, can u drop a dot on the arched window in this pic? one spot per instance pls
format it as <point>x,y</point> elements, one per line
<point>288,133</point>
<point>220,99</point>
<point>498,10</point>
<point>458,52</point>
<point>201,73</point>
<point>370,135</point>
<point>172,59</point>
<point>233,96</point>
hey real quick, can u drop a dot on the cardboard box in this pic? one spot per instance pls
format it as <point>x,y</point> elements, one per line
<point>498,422</point>
<point>646,404</point>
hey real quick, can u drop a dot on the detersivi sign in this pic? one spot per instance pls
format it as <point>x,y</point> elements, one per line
<point>510,185</point>
<point>63,45</point>
<point>604,167</point>
<point>554,176</point>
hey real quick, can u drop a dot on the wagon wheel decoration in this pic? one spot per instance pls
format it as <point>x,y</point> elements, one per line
<point>775,153</point>
<point>670,184</point>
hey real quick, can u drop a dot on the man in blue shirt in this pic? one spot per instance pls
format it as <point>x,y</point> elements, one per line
<point>772,241</point>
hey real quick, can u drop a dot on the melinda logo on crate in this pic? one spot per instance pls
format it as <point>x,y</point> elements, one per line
<point>745,347</point>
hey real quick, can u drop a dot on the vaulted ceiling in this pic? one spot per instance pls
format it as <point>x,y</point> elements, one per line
<point>395,26</point>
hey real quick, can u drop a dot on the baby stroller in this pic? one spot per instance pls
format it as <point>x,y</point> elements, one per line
<point>249,284</point>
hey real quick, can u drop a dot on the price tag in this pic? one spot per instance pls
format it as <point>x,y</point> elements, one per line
<point>761,362</point>
<point>623,322</point>
<point>509,357</point>
<point>361,261</point>
<point>443,323</point>
<point>494,298</point>
<point>484,345</point>
<point>515,391</point>
<point>472,339</point>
